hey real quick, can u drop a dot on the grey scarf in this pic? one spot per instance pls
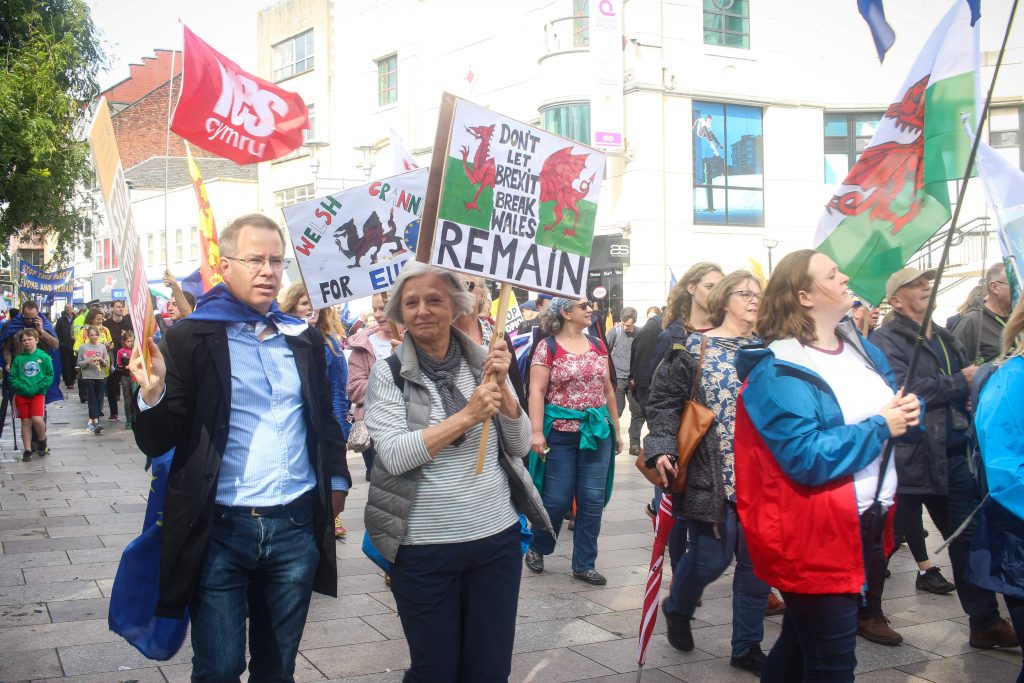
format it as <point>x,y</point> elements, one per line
<point>444,373</point>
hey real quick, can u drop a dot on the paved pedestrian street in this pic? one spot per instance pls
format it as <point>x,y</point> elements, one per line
<point>64,520</point>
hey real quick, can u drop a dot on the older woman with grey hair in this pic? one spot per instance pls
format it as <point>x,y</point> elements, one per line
<point>452,536</point>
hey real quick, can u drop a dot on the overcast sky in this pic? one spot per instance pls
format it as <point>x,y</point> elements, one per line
<point>132,30</point>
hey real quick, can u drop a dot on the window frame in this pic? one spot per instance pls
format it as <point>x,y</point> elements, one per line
<point>1019,130</point>
<point>387,88</point>
<point>850,140</point>
<point>297,66</point>
<point>727,156</point>
<point>290,196</point>
<point>582,105</point>
<point>581,24</point>
<point>104,255</point>
<point>723,14</point>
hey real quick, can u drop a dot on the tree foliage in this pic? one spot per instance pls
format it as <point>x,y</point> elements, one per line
<point>51,56</point>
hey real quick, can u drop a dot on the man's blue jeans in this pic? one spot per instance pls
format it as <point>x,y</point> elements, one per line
<point>709,553</point>
<point>262,567</point>
<point>818,640</point>
<point>571,472</point>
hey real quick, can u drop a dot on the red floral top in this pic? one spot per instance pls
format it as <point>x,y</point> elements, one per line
<point>576,381</point>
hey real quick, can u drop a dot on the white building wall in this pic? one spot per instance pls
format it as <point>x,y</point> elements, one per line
<point>806,58</point>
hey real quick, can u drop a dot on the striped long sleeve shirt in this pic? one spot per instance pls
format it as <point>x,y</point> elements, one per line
<point>453,504</point>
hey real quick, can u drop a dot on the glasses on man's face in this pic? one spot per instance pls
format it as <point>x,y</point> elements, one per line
<point>470,286</point>
<point>747,295</point>
<point>254,265</point>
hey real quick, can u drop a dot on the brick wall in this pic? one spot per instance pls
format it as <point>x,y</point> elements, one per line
<point>141,128</point>
<point>153,72</point>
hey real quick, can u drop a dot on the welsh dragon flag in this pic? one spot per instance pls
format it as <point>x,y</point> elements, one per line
<point>896,196</point>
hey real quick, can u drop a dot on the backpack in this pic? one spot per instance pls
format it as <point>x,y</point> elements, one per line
<point>595,344</point>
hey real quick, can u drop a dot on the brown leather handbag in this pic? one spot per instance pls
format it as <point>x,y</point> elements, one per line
<point>693,425</point>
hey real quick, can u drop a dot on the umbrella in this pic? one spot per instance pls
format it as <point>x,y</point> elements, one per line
<point>663,523</point>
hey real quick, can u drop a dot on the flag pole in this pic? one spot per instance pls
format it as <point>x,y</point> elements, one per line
<point>498,337</point>
<point>167,150</point>
<point>922,332</point>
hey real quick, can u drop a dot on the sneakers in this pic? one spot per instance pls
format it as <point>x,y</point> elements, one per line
<point>112,418</point>
<point>634,449</point>
<point>26,456</point>
<point>591,576</point>
<point>43,450</point>
<point>534,561</point>
<point>753,661</point>
<point>97,428</point>
<point>679,635</point>
<point>998,634</point>
<point>775,607</point>
<point>128,424</point>
<point>649,511</point>
<point>877,630</point>
<point>339,528</point>
<point>90,426</point>
<point>934,582</point>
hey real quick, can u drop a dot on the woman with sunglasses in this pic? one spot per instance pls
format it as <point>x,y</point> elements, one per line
<point>572,415</point>
<point>708,504</point>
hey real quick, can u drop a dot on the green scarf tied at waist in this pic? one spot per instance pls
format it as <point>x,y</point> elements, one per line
<point>595,426</point>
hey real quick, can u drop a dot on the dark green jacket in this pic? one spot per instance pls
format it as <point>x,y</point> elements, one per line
<point>31,373</point>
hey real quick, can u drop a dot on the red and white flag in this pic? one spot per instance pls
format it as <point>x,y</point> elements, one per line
<point>663,523</point>
<point>232,113</point>
<point>403,159</point>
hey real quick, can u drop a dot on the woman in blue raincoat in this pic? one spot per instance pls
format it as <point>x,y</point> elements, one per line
<point>997,553</point>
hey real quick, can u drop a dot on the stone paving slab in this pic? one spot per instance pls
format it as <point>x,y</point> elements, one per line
<point>64,520</point>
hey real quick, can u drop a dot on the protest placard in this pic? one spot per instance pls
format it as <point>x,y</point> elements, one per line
<point>510,202</point>
<point>354,243</point>
<point>513,314</point>
<point>112,186</point>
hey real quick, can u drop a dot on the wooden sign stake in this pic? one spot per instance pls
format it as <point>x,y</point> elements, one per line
<point>497,338</point>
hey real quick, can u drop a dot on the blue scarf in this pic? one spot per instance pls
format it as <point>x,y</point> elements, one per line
<point>16,325</point>
<point>219,305</point>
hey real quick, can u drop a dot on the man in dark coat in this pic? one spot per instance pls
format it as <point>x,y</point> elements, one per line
<point>933,472</point>
<point>259,470</point>
<point>66,339</point>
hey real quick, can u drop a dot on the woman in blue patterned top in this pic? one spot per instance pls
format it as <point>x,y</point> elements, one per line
<point>709,501</point>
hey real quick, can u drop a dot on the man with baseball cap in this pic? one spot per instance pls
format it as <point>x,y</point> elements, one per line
<point>542,302</point>
<point>933,472</point>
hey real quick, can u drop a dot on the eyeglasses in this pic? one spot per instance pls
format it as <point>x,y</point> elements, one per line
<point>470,286</point>
<point>747,295</point>
<point>254,265</point>
<point>582,306</point>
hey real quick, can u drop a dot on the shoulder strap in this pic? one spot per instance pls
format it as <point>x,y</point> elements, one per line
<point>395,364</point>
<point>596,343</point>
<point>700,366</point>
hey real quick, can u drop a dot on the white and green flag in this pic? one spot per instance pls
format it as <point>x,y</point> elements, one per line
<point>896,196</point>
<point>1004,190</point>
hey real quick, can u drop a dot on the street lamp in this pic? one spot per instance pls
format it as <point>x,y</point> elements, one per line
<point>367,163</point>
<point>769,244</point>
<point>314,146</point>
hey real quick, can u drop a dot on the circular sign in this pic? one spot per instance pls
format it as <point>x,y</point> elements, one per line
<point>600,292</point>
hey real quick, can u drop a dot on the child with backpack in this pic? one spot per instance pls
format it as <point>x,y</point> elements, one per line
<point>31,375</point>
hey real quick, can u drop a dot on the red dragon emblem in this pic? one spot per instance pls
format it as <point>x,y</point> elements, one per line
<point>484,169</point>
<point>883,171</point>
<point>354,246</point>
<point>559,172</point>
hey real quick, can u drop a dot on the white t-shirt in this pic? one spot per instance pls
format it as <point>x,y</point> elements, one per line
<point>861,392</point>
<point>381,346</point>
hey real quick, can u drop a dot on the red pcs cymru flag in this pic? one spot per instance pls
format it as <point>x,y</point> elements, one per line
<point>232,113</point>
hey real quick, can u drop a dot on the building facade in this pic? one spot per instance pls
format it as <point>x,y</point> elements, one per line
<point>738,118</point>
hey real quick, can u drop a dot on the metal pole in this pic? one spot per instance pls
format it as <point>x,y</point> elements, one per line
<point>922,332</point>
<point>167,151</point>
